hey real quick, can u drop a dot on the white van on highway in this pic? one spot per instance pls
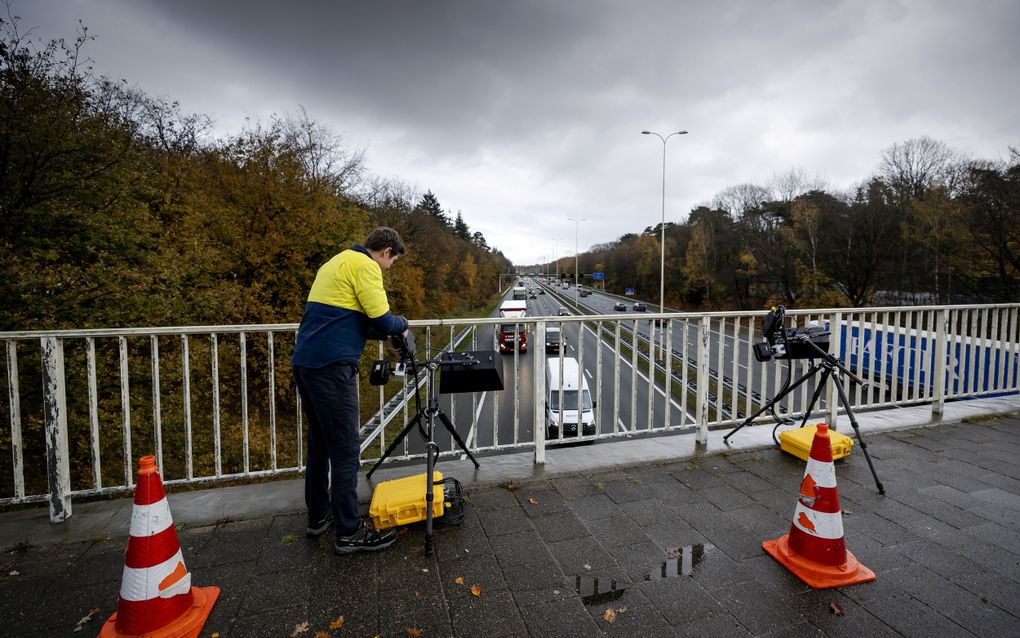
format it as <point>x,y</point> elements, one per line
<point>570,400</point>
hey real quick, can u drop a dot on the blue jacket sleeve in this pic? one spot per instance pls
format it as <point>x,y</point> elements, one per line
<point>388,323</point>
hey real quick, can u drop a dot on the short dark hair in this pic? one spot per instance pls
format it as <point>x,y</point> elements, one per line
<point>382,238</point>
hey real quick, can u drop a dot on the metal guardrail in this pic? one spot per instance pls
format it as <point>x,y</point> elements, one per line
<point>216,403</point>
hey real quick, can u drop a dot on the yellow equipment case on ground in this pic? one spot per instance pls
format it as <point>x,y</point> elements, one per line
<point>402,501</point>
<point>798,442</point>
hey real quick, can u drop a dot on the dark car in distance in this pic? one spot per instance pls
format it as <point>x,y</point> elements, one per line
<point>619,305</point>
<point>639,306</point>
<point>553,339</point>
<point>563,312</point>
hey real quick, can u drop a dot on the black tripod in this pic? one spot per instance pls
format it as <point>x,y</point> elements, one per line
<point>428,416</point>
<point>829,366</point>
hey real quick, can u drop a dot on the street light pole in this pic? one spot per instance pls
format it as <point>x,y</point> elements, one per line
<point>556,258</point>
<point>577,257</point>
<point>662,260</point>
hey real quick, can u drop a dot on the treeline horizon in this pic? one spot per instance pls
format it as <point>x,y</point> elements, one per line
<point>930,227</point>
<point>117,209</point>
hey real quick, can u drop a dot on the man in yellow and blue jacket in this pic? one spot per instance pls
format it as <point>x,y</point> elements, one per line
<point>346,305</point>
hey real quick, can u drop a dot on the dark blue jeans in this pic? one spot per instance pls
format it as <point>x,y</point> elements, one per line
<point>330,398</point>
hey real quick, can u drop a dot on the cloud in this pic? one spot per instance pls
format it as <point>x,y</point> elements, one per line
<point>524,114</point>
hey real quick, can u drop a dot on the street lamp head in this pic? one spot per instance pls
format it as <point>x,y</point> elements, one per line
<point>646,132</point>
<point>681,132</point>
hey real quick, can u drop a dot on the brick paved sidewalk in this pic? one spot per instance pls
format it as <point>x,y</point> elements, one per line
<point>671,548</point>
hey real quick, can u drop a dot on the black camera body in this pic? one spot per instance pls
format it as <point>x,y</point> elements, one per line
<point>382,369</point>
<point>790,343</point>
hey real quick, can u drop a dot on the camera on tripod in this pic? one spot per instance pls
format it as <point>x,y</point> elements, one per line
<point>382,369</point>
<point>789,343</point>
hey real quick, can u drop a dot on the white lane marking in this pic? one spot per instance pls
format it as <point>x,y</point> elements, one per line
<point>474,421</point>
<point>588,373</point>
<point>638,372</point>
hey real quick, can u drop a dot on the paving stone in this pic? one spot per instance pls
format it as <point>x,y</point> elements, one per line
<point>616,531</point>
<point>547,500</point>
<point>638,559</point>
<point>625,491</point>
<point>560,526</point>
<point>565,617</point>
<point>649,511</point>
<point>269,624</point>
<point>737,541</point>
<point>726,497</point>
<point>491,614</point>
<point>705,516</point>
<point>680,600</point>
<point>593,508</point>
<point>757,608</point>
<point>428,612</point>
<point>574,487</point>
<point>816,606</point>
<point>504,521</point>
<point>483,571</point>
<point>520,549</point>
<point>723,625</point>
<point>491,498</point>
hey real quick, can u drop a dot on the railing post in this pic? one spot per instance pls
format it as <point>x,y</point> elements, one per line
<point>939,376</point>
<point>55,418</point>
<point>701,402</point>
<point>538,420</point>
<point>835,346</point>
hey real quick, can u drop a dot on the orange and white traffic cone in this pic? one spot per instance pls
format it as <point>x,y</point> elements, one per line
<point>815,550</point>
<point>156,596</point>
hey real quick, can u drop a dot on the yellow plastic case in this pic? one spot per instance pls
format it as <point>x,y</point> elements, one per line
<point>402,501</point>
<point>798,442</point>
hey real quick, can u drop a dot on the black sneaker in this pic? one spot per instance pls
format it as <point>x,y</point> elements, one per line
<point>318,529</point>
<point>366,539</point>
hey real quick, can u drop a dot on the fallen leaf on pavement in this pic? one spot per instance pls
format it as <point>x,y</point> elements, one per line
<point>323,634</point>
<point>412,631</point>
<point>533,500</point>
<point>587,567</point>
<point>673,553</point>
<point>459,580</point>
<point>417,594</point>
<point>14,573</point>
<point>299,628</point>
<point>609,616</point>
<point>476,590</point>
<point>621,610</point>
<point>86,618</point>
<point>847,512</point>
<point>836,609</point>
<point>338,623</point>
<point>215,634</point>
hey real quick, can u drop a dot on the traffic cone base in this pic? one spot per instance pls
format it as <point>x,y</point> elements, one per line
<point>188,625</point>
<point>815,550</point>
<point>816,574</point>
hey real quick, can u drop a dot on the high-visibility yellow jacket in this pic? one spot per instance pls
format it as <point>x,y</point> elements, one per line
<point>346,305</point>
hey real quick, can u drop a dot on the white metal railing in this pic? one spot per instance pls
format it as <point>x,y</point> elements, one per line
<point>217,403</point>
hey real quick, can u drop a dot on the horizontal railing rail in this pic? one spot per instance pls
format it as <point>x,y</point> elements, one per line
<point>217,403</point>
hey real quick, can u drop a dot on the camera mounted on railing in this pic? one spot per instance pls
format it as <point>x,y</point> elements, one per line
<point>810,342</point>
<point>382,369</point>
<point>461,372</point>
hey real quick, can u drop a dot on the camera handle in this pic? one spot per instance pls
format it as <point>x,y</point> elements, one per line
<point>428,416</point>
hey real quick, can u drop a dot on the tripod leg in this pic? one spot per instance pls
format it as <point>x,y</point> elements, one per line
<point>400,437</point>
<point>776,399</point>
<point>845,402</point>
<point>430,463</point>
<point>456,437</point>
<point>814,398</point>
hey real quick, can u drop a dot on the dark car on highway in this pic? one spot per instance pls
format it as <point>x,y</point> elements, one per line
<point>563,312</point>
<point>619,305</point>
<point>639,306</point>
<point>552,339</point>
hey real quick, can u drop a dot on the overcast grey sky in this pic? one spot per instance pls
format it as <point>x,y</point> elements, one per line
<point>522,114</point>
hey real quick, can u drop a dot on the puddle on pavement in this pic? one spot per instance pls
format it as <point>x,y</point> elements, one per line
<point>681,561</point>
<point>597,591</point>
